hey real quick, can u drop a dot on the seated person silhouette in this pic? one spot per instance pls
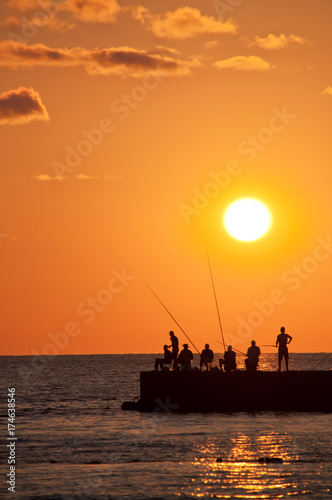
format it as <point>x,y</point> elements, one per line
<point>206,357</point>
<point>229,360</point>
<point>252,357</point>
<point>185,358</point>
<point>166,360</point>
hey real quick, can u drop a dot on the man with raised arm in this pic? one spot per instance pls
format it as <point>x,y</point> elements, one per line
<point>282,340</point>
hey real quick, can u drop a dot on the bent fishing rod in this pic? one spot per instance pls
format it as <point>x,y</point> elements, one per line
<point>171,315</point>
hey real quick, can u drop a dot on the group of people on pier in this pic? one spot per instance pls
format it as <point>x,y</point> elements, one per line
<point>228,362</point>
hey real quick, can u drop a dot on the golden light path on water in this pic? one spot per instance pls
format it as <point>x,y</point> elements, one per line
<point>239,474</point>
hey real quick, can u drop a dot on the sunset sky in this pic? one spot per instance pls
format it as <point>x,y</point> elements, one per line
<point>126,130</point>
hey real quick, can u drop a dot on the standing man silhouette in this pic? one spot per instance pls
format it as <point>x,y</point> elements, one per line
<point>282,341</point>
<point>175,348</point>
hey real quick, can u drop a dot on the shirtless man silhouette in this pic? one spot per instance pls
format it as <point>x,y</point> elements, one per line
<point>282,341</point>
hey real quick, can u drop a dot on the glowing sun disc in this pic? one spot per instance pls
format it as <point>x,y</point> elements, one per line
<point>247,219</point>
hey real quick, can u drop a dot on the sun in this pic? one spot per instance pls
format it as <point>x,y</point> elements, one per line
<point>247,219</point>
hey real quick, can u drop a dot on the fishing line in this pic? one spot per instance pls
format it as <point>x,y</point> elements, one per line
<point>213,287</point>
<point>322,361</point>
<point>171,315</point>
<point>233,348</point>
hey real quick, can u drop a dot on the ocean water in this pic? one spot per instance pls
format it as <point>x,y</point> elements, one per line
<point>75,442</point>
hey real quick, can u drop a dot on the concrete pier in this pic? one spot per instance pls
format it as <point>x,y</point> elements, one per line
<point>195,391</point>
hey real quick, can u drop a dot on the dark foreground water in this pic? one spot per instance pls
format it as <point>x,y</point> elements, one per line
<point>74,442</point>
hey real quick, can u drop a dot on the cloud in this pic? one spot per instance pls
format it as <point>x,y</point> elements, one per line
<point>45,177</point>
<point>23,4</point>
<point>86,11</point>
<point>327,91</point>
<point>211,44</point>
<point>38,21</point>
<point>274,42</point>
<point>12,21</point>
<point>93,11</point>
<point>21,106</point>
<point>167,50</point>
<point>244,63</point>
<point>123,61</point>
<point>83,177</point>
<point>182,23</point>
<point>80,177</point>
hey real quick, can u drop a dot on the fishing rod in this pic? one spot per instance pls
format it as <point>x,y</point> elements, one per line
<point>240,352</point>
<point>314,368</point>
<point>267,345</point>
<point>171,315</point>
<point>213,287</point>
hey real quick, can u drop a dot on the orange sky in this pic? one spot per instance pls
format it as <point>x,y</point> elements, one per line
<point>125,127</point>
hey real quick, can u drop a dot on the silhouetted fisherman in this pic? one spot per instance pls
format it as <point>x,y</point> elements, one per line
<point>185,358</point>
<point>252,357</point>
<point>282,341</point>
<point>175,347</point>
<point>166,360</point>
<point>229,360</point>
<point>206,357</point>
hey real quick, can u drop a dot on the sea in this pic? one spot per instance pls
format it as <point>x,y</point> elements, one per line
<point>71,440</point>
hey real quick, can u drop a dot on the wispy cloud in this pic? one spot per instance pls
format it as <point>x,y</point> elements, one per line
<point>80,177</point>
<point>46,177</point>
<point>93,11</point>
<point>327,91</point>
<point>167,50</point>
<point>107,177</point>
<point>244,63</point>
<point>24,5</point>
<point>87,11</point>
<point>21,106</point>
<point>211,44</point>
<point>123,61</point>
<point>51,22</point>
<point>275,42</point>
<point>185,22</point>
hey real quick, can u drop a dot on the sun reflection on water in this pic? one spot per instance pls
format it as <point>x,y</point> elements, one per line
<point>231,468</point>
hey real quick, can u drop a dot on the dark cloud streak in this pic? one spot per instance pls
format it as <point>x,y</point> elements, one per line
<point>124,61</point>
<point>21,106</point>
